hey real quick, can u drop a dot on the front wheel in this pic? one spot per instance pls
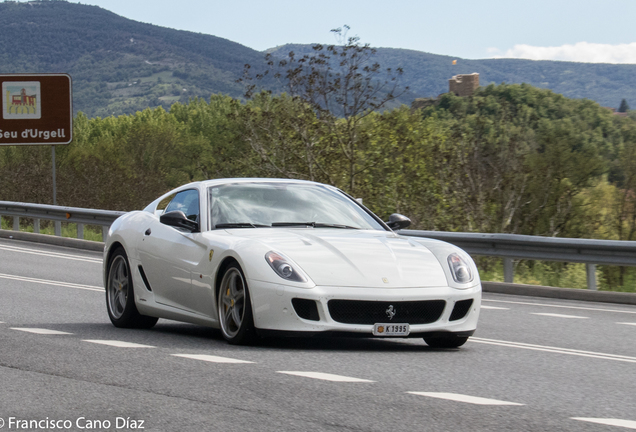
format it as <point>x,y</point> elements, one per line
<point>120,295</point>
<point>449,341</point>
<point>235,309</point>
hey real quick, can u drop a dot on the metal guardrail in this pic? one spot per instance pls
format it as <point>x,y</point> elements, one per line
<point>507,246</point>
<point>514,246</point>
<point>59,214</point>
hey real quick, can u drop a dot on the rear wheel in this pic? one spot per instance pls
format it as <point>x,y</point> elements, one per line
<point>450,341</point>
<point>120,295</point>
<point>235,309</point>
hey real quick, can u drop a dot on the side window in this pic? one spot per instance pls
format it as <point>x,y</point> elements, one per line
<point>163,204</point>
<point>188,202</point>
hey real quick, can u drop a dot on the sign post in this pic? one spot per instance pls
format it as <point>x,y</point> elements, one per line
<point>37,109</point>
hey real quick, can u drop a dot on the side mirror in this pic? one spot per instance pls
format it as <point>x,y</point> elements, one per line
<point>178,219</point>
<point>398,221</point>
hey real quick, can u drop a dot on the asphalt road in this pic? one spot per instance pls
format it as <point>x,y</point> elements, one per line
<point>534,365</point>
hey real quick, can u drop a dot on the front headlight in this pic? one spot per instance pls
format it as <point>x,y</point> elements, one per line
<point>283,268</point>
<point>460,269</point>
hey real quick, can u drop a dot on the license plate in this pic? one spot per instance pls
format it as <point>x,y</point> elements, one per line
<point>391,330</point>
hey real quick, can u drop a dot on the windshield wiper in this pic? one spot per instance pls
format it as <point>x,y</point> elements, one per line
<point>285,224</point>
<point>312,224</point>
<point>240,225</point>
<point>326,225</point>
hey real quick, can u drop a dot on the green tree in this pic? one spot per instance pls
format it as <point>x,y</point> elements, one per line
<point>285,137</point>
<point>399,171</point>
<point>623,108</point>
<point>518,157</point>
<point>120,163</point>
<point>210,146</point>
<point>342,84</point>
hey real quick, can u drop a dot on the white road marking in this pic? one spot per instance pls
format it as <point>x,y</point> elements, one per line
<point>325,376</point>
<point>560,306</point>
<point>493,307</point>
<point>40,331</point>
<point>50,254</point>
<point>629,424</point>
<point>559,315</point>
<point>116,343</point>
<point>591,354</point>
<point>50,282</point>
<point>632,324</point>
<point>464,398</point>
<point>210,358</point>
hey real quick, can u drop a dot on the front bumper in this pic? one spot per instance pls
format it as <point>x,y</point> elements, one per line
<point>274,312</point>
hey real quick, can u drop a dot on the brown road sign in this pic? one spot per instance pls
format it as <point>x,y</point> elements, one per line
<point>36,109</point>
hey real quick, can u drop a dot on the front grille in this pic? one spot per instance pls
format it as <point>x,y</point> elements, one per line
<point>461,309</point>
<point>306,309</point>
<point>371,312</point>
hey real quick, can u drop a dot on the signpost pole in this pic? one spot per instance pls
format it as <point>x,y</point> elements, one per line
<point>54,186</point>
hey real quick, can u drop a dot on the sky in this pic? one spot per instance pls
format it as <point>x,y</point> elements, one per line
<point>576,30</point>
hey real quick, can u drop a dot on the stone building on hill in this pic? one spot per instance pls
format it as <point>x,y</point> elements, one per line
<point>460,85</point>
<point>464,85</point>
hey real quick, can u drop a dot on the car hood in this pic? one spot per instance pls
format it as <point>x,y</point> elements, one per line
<point>353,258</point>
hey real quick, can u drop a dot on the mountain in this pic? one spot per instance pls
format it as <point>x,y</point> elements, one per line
<point>427,74</point>
<point>120,66</point>
<point>117,65</point>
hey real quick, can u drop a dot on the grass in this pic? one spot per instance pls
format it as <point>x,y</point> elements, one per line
<point>558,274</point>
<point>91,232</point>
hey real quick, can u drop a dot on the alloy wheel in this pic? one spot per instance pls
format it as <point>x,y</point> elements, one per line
<point>118,286</point>
<point>232,302</point>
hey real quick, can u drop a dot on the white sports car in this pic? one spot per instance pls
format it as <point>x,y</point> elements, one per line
<point>258,257</point>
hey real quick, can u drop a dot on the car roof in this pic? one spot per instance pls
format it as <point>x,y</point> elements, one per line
<point>215,182</point>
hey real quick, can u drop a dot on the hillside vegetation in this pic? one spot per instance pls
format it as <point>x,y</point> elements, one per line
<point>427,74</point>
<point>120,66</point>
<point>117,65</point>
<point>512,158</point>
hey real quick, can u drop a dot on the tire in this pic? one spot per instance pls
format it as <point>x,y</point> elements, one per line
<point>120,295</point>
<point>449,341</point>
<point>235,308</point>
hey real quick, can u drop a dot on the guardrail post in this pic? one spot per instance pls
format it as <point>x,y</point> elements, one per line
<point>590,269</point>
<point>58,228</point>
<point>80,231</point>
<point>508,268</point>
<point>36,225</point>
<point>104,233</point>
<point>16,223</point>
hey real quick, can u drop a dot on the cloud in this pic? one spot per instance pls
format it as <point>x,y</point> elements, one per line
<point>579,52</point>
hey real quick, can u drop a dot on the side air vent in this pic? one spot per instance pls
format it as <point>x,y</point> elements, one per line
<point>144,278</point>
<point>306,309</point>
<point>461,309</point>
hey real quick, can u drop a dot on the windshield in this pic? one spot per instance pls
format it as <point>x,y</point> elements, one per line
<point>252,205</point>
